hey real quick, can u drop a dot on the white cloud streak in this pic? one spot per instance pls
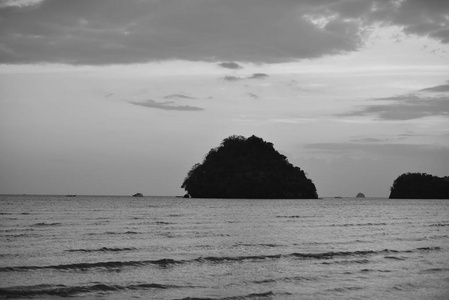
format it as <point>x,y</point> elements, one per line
<point>168,105</point>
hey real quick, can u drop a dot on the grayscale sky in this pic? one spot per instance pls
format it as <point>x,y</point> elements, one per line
<point>117,97</point>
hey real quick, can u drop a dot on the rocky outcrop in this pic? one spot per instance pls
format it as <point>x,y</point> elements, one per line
<point>420,186</point>
<point>248,168</point>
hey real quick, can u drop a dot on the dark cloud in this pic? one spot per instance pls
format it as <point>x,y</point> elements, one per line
<point>437,89</point>
<point>232,78</point>
<point>253,96</point>
<point>230,65</point>
<point>169,105</point>
<point>405,107</point>
<point>427,17</point>
<point>178,96</point>
<point>258,76</point>
<point>120,32</point>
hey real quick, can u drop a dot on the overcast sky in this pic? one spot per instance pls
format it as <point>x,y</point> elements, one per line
<point>117,97</point>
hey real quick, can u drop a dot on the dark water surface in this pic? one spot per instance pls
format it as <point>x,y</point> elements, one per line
<point>172,248</point>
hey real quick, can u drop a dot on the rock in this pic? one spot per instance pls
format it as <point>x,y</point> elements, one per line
<point>420,186</point>
<point>360,195</point>
<point>247,168</point>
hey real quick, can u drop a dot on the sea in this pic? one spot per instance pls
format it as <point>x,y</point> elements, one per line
<point>111,247</point>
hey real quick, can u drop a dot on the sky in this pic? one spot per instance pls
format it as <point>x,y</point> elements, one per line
<point>113,97</point>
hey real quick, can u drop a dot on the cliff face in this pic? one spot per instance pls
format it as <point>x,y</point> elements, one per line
<point>247,168</point>
<point>420,186</point>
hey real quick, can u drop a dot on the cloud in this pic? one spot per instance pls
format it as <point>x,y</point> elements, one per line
<point>178,96</point>
<point>232,78</point>
<point>437,89</point>
<point>405,107</point>
<point>253,96</point>
<point>260,31</point>
<point>368,140</point>
<point>169,105</point>
<point>258,76</point>
<point>19,3</point>
<point>230,65</point>
<point>253,76</point>
<point>412,150</point>
<point>424,18</point>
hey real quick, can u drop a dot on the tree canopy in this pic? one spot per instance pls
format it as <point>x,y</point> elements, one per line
<point>420,186</point>
<point>247,168</point>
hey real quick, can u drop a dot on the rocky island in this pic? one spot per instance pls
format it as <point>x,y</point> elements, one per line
<point>420,186</point>
<point>247,168</point>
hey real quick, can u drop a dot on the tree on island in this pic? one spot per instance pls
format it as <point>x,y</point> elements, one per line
<point>420,186</point>
<point>247,168</point>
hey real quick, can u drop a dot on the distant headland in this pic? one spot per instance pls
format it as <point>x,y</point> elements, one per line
<point>420,186</point>
<point>247,168</point>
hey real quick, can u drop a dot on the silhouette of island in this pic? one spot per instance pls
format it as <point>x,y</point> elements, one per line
<point>420,186</point>
<point>247,168</point>
<point>360,195</point>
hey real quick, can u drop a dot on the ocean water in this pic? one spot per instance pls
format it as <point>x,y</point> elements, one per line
<point>172,248</point>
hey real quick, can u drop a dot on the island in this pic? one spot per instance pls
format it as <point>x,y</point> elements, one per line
<point>138,195</point>
<point>247,168</point>
<point>420,186</point>
<point>360,195</point>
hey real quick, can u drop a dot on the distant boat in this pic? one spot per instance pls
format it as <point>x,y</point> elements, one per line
<point>138,195</point>
<point>71,196</point>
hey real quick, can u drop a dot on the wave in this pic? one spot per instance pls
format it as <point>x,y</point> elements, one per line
<point>126,232</point>
<point>267,295</point>
<point>21,235</point>
<point>285,279</point>
<point>348,262</point>
<point>115,233</point>
<point>103,249</point>
<point>357,224</point>
<point>395,258</point>
<point>162,223</point>
<point>96,265</point>
<point>166,262</point>
<point>373,270</point>
<point>297,217</point>
<point>42,224</point>
<point>345,289</point>
<point>435,270</point>
<point>257,245</point>
<point>153,223</point>
<point>16,230</point>
<point>442,224</point>
<point>429,248</point>
<point>438,237</point>
<point>70,291</point>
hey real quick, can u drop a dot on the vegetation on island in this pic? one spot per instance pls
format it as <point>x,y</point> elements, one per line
<point>247,168</point>
<point>420,186</point>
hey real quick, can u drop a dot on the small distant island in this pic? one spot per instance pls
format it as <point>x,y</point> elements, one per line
<point>420,186</point>
<point>138,195</point>
<point>360,195</point>
<point>247,168</point>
